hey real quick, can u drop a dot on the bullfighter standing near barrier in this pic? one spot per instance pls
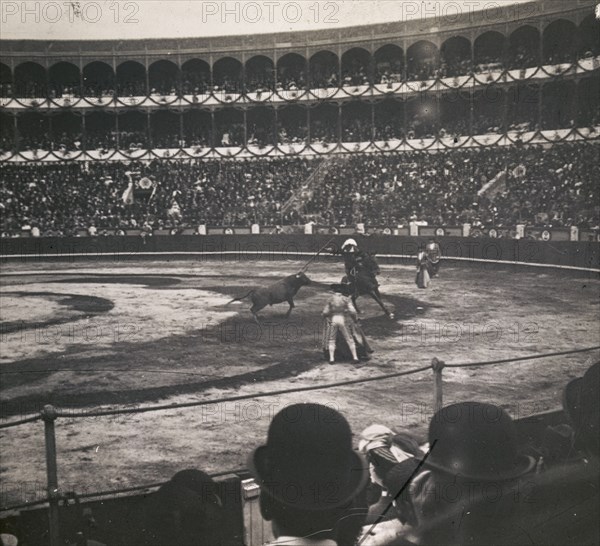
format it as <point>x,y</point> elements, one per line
<point>428,263</point>
<point>423,278</point>
<point>433,253</point>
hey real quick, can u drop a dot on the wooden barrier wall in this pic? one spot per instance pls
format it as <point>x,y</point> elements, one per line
<point>400,249</point>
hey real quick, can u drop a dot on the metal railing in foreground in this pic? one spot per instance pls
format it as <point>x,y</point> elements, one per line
<point>49,414</point>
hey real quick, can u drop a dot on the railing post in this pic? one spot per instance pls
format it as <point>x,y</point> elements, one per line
<point>438,384</point>
<point>49,415</point>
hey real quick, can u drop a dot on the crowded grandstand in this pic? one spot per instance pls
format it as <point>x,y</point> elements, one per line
<point>407,127</point>
<point>469,146</point>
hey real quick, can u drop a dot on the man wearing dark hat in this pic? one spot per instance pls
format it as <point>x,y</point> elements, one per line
<point>469,474</point>
<point>563,501</point>
<point>312,481</point>
<point>187,511</point>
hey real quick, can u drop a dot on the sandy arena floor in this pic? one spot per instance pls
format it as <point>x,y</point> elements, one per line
<point>90,336</point>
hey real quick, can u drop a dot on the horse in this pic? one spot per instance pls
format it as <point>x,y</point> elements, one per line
<point>361,280</point>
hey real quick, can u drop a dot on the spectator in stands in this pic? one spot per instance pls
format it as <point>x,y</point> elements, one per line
<point>311,479</point>
<point>186,511</point>
<point>550,186</point>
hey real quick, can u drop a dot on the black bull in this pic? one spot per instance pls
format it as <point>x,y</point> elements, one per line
<point>279,292</point>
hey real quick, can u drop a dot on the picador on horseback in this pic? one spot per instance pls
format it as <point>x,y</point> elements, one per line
<point>361,275</point>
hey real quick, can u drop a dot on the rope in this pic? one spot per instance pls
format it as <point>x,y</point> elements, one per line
<point>521,358</point>
<point>21,422</point>
<point>113,491</point>
<point>294,390</point>
<point>241,396</point>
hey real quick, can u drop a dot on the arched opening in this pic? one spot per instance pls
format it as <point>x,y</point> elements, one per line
<point>195,76</point>
<point>163,77</point>
<point>164,129</point>
<point>260,74</point>
<point>133,130</point>
<point>356,122</point>
<point>100,131</point>
<point>30,81</point>
<point>589,37</point>
<point>67,132</point>
<point>423,60</point>
<point>197,128</point>
<point>34,131</point>
<point>488,107</point>
<point>324,123</point>
<point>522,112</point>
<point>389,64</point>
<point>488,49</point>
<point>422,117</point>
<point>260,123</point>
<point>291,72</point>
<point>588,105</point>
<point>98,80</point>
<point>559,42</point>
<point>131,80</point>
<point>6,81</point>
<point>7,132</point>
<point>455,57</point>
<point>524,48</point>
<point>455,113</point>
<point>324,70</point>
<point>227,75</point>
<point>356,67</point>
<point>64,80</point>
<point>229,127</point>
<point>291,124</point>
<point>389,119</point>
<point>558,108</point>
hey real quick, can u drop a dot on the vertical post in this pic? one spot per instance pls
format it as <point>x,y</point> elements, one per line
<point>49,415</point>
<point>438,384</point>
<point>83,132</point>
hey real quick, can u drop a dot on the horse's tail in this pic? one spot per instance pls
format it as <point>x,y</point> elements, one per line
<point>240,298</point>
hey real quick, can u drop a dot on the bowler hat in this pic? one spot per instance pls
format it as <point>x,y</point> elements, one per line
<point>473,440</point>
<point>308,461</point>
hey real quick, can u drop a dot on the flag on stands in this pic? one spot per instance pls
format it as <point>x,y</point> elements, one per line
<point>128,194</point>
<point>495,186</point>
<point>144,188</point>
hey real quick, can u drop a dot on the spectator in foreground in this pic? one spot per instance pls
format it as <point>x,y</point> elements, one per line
<point>312,481</point>
<point>186,511</point>
<point>473,452</point>
<point>581,402</point>
<point>562,503</point>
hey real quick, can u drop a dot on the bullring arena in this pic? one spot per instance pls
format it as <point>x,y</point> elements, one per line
<point>147,333</point>
<point>143,188</point>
